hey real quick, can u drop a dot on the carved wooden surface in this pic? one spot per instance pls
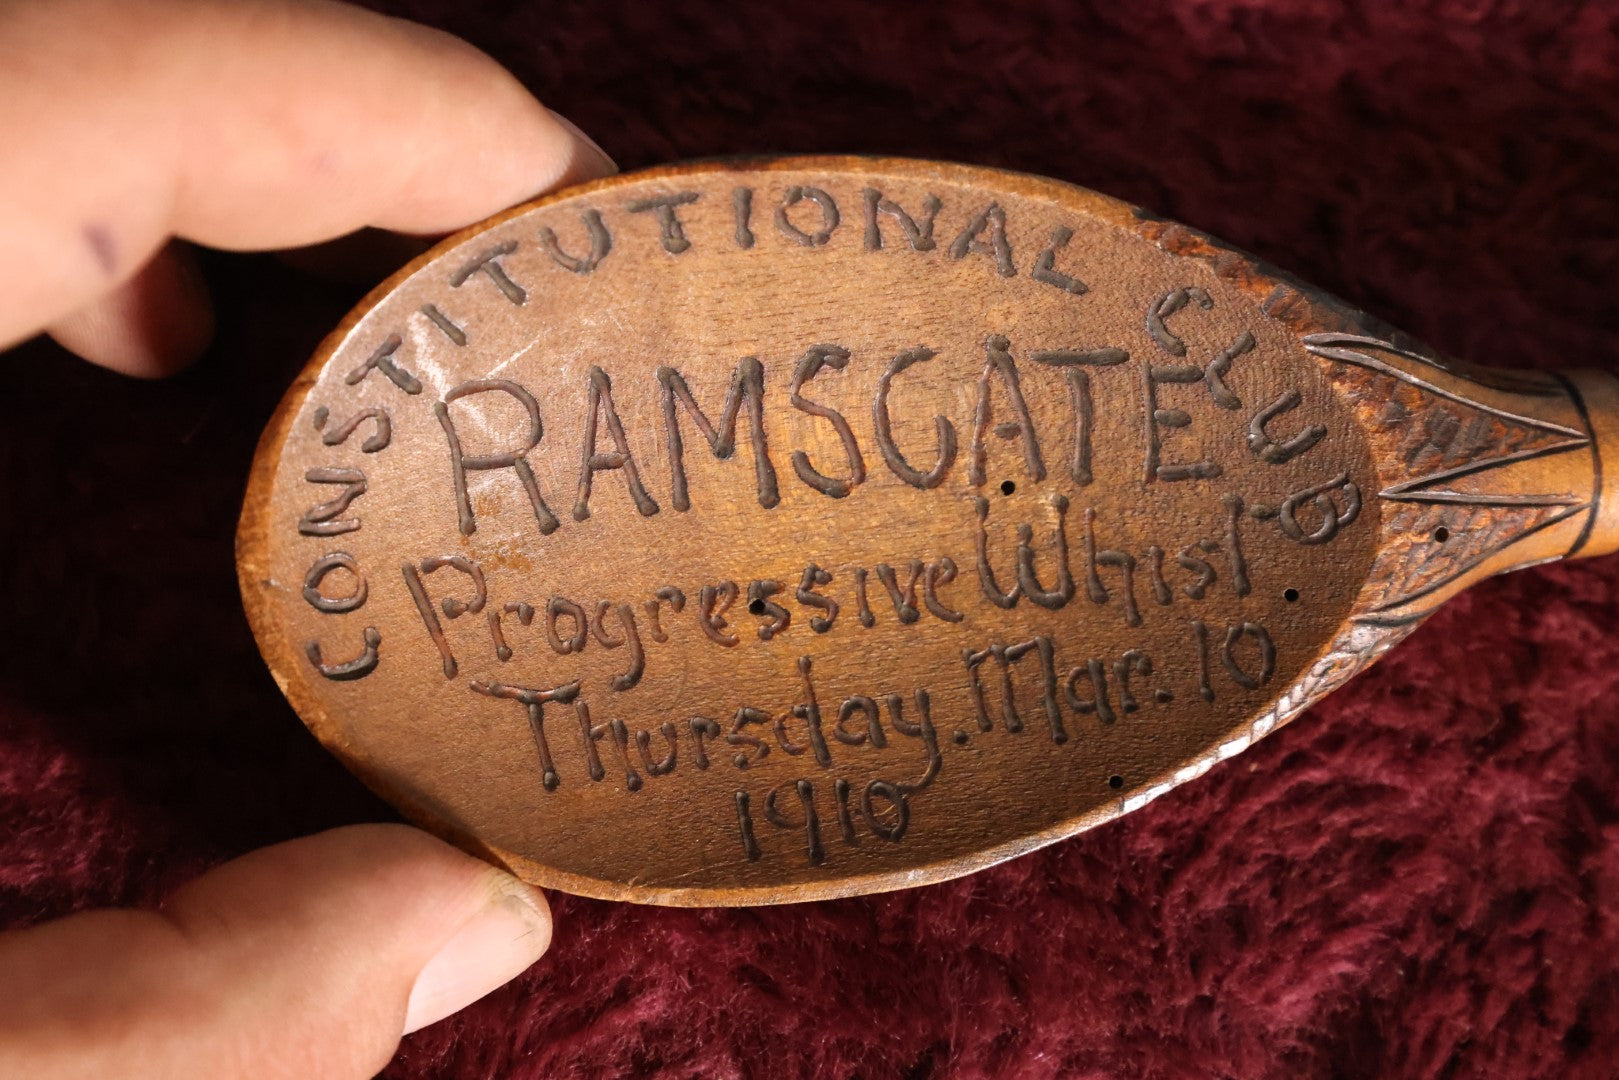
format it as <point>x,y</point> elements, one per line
<point>748,532</point>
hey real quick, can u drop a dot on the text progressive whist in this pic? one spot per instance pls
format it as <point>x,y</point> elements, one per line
<point>748,532</point>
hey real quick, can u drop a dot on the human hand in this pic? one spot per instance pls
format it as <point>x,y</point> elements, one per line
<point>132,131</point>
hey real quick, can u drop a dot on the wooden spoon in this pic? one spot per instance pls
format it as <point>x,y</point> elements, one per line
<point>754,531</point>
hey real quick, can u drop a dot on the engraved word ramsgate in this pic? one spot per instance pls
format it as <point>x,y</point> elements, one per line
<point>753,532</point>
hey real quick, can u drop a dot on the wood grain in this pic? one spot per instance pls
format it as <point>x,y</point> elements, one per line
<point>756,531</point>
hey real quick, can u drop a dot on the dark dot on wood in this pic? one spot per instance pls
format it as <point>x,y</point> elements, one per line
<point>1007,487</point>
<point>961,738</point>
<point>1441,534</point>
<point>1290,595</point>
<point>1115,781</point>
<point>756,607</point>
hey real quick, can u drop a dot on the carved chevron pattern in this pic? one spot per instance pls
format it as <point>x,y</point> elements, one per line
<point>1477,532</point>
<point>1430,436</point>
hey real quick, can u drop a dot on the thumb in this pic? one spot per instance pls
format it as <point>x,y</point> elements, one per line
<point>306,959</point>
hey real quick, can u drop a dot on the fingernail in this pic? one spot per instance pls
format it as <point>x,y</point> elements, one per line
<point>491,949</point>
<point>612,166</point>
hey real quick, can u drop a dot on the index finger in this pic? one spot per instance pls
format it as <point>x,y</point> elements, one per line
<point>245,125</point>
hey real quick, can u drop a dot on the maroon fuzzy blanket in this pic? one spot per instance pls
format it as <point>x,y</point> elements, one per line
<point>1418,878</point>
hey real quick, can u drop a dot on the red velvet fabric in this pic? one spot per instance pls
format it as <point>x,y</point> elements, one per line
<point>1418,878</point>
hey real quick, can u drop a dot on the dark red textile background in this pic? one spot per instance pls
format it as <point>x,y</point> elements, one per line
<point>1418,878</point>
